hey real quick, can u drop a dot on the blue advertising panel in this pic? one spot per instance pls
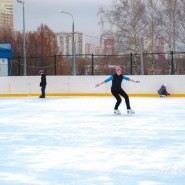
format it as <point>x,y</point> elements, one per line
<point>5,55</point>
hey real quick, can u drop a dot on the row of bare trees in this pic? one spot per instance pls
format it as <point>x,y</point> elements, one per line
<point>132,20</point>
<point>40,45</point>
<point>42,42</point>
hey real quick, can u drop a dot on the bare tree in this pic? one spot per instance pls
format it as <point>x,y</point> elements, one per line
<point>17,45</point>
<point>153,24</point>
<point>170,22</point>
<point>181,20</point>
<point>41,46</point>
<point>6,34</point>
<point>173,12</point>
<point>127,19</point>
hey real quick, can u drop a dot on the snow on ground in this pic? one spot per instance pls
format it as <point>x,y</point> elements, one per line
<point>78,141</point>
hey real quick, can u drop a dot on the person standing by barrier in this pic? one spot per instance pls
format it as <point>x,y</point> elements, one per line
<point>117,90</point>
<point>43,83</point>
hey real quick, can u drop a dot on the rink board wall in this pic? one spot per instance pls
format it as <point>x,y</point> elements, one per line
<point>85,85</point>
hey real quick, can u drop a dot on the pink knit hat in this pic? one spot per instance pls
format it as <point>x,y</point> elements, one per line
<point>118,68</point>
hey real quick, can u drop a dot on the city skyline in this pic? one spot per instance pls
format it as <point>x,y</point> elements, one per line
<point>47,12</point>
<point>91,36</point>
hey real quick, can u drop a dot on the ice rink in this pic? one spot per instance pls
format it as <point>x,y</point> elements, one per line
<point>78,141</point>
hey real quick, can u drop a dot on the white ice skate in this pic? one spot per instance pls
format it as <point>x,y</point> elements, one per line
<point>117,112</point>
<point>130,111</point>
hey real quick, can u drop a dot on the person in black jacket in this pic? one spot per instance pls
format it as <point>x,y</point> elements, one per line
<point>43,83</point>
<point>117,90</point>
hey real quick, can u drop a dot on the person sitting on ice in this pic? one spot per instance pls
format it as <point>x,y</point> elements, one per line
<point>162,91</point>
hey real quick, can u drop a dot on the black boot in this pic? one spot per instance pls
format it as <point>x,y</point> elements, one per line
<point>41,96</point>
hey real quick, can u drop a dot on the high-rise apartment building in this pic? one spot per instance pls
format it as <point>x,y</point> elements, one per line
<point>90,48</point>
<point>99,50</point>
<point>6,14</point>
<point>65,43</point>
<point>109,46</point>
<point>158,44</point>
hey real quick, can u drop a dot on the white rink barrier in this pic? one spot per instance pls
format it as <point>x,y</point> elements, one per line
<point>85,85</point>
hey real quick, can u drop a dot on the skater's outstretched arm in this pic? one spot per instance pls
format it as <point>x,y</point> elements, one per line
<point>129,79</point>
<point>135,81</point>
<point>99,84</point>
<point>105,81</point>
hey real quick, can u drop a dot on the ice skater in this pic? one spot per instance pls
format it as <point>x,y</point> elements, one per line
<point>43,83</point>
<point>162,91</point>
<point>117,90</point>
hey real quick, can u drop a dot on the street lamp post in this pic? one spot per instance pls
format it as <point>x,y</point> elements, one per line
<point>24,37</point>
<point>73,43</point>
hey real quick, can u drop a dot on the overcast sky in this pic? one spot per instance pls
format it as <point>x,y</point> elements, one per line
<point>47,12</point>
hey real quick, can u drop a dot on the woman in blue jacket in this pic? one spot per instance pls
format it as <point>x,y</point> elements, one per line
<point>117,90</point>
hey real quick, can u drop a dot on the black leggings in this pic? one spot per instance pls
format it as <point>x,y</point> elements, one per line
<point>117,94</point>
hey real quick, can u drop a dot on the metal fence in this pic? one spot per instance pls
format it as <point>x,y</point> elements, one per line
<point>153,64</point>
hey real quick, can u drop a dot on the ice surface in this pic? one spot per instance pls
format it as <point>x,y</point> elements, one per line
<point>78,141</point>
